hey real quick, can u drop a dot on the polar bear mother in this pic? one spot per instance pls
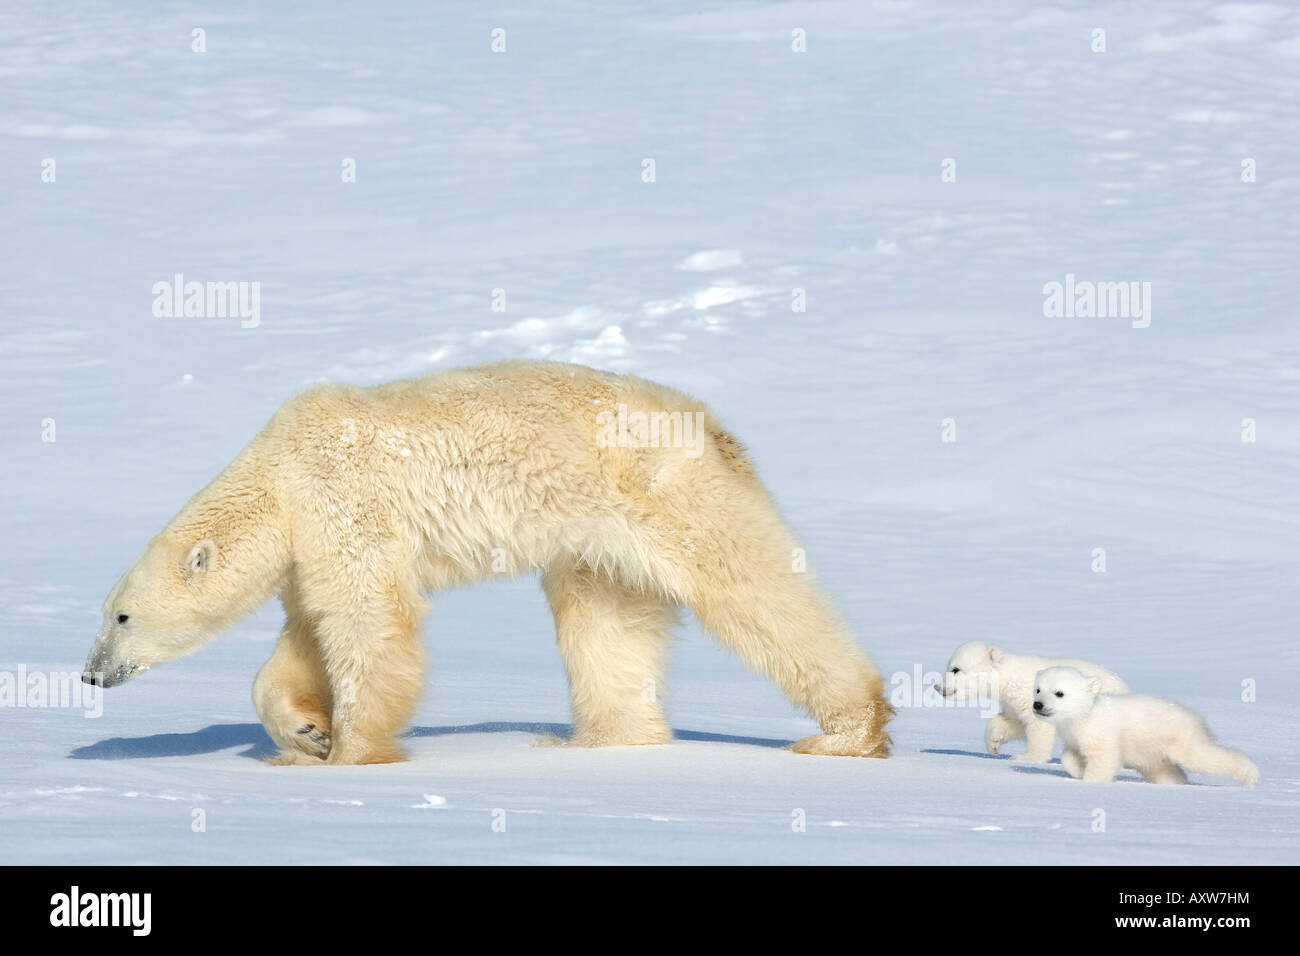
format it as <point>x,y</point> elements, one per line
<point>353,503</point>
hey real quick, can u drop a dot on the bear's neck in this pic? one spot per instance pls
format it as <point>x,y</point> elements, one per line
<point>240,513</point>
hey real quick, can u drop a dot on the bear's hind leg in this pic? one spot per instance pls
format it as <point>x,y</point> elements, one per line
<point>292,693</point>
<point>613,641</point>
<point>780,623</point>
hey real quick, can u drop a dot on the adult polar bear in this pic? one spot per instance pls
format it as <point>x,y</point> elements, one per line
<point>354,502</point>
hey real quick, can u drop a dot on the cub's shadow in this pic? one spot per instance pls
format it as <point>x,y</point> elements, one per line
<point>1054,769</point>
<point>968,753</point>
<point>258,745</point>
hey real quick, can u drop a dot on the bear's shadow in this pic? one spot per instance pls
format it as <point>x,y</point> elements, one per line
<point>217,737</point>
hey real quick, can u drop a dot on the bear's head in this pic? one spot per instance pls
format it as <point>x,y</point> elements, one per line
<point>1064,693</point>
<point>157,612</point>
<point>971,675</point>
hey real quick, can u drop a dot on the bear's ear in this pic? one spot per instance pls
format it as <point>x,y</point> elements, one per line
<point>200,558</point>
<point>1094,685</point>
<point>995,654</point>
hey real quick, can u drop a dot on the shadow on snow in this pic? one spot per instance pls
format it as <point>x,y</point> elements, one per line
<point>218,737</point>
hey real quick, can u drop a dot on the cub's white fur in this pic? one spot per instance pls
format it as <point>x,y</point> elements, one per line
<point>1156,737</point>
<point>980,670</point>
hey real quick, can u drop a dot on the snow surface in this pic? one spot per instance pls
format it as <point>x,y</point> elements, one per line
<point>775,170</point>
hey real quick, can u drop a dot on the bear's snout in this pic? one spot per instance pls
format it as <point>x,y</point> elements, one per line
<point>1038,705</point>
<point>105,669</point>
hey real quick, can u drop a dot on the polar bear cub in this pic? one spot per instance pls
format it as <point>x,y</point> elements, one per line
<point>980,670</point>
<point>1156,737</point>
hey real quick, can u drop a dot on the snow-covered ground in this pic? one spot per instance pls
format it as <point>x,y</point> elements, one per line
<point>775,171</point>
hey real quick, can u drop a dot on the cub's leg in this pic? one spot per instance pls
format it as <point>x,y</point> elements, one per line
<point>613,641</point>
<point>1000,729</point>
<point>1072,761</point>
<point>1102,764</point>
<point>1039,738</point>
<point>292,692</point>
<point>1165,772</point>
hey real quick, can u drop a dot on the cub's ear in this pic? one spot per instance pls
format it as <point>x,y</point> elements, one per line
<point>200,558</point>
<point>995,654</point>
<point>1094,685</point>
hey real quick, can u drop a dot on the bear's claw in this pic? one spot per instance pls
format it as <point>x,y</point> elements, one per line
<point>312,741</point>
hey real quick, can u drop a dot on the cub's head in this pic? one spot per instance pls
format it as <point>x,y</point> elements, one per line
<point>155,613</point>
<point>1063,693</point>
<point>971,673</point>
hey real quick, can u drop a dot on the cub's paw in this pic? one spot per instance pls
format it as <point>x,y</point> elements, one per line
<point>1030,758</point>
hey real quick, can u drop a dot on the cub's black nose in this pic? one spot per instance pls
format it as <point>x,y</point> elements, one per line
<point>1038,705</point>
<point>87,677</point>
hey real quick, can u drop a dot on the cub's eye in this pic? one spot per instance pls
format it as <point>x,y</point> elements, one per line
<point>123,618</point>
<point>956,670</point>
<point>1060,693</point>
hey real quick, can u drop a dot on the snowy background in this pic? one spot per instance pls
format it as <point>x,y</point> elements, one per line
<point>775,170</point>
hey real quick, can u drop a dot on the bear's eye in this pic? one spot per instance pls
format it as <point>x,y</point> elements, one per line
<point>123,618</point>
<point>1060,693</point>
<point>956,670</point>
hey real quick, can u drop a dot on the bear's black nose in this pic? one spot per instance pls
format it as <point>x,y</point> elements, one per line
<point>1038,705</point>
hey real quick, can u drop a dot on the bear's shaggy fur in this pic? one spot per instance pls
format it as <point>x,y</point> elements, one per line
<point>354,502</point>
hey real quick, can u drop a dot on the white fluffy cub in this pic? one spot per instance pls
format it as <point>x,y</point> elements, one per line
<point>978,671</point>
<point>1156,737</point>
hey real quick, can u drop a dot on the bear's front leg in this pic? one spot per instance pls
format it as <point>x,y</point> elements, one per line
<point>613,641</point>
<point>371,648</point>
<point>292,693</point>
